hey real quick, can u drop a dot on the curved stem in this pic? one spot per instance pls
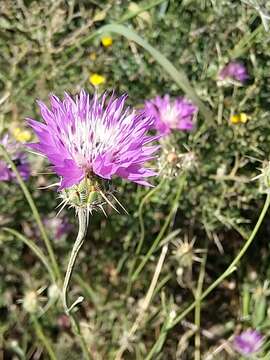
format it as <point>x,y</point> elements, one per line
<point>34,211</point>
<point>75,250</point>
<point>230,269</point>
<point>163,229</point>
<point>177,75</point>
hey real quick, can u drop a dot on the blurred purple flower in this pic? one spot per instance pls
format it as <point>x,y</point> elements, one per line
<point>234,70</point>
<point>59,227</point>
<point>171,114</point>
<point>86,136</point>
<point>18,157</point>
<point>248,342</point>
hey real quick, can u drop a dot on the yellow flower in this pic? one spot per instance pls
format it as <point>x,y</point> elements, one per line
<point>21,135</point>
<point>106,41</point>
<point>239,118</point>
<point>243,118</point>
<point>96,79</point>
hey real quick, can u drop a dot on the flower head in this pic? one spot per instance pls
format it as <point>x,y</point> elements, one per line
<point>171,114</point>
<point>239,118</point>
<point>248,342</point>
<point>18,157</point>
<point>235,71</point>
<point>21,135</point>
<point>96,79</point>
<point>88,138</point>
<point>106,41</point>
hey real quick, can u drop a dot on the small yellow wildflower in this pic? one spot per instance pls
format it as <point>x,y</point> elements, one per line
<point>243,118</point>
<point>96,79</point>
<point>106,41</point>
<point>239,118</point>
<point>21,135</point>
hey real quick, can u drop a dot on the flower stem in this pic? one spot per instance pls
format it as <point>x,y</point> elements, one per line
<point>172,212</point>
<point>142,231</point>
<point>75,250</point>
<point>34,211</point>
<point>141,221</point>
<point>230,269</point>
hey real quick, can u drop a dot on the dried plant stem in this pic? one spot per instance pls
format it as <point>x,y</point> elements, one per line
<point>82,216</point>
<point>146,301</point>
<point>197,315</point>
<point>230,269</point>
<point>35,212</point>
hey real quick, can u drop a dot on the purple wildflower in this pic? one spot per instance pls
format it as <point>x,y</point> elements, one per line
<point>18,157</point>
<point>248,342</point>
<point>235,71</point>
<point>86,136</point>
<point>169,114</point>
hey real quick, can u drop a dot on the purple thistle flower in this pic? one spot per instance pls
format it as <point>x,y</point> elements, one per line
<point>248,342</point>
<point>18,157</point>
<point>235,71</point>
<point>171,114</point>
<point>85,136</point>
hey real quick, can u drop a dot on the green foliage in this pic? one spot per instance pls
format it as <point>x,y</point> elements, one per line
<point>54,46</point>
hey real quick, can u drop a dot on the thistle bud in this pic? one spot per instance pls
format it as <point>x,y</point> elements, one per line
<point>171,163</point>
<point>90,194</point>
<point>53,292</point>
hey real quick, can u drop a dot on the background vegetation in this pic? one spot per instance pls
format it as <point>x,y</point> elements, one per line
<point>55,46</point>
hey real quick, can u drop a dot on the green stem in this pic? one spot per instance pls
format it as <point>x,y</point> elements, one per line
<point>230,269</point>
<point>142,231</point>
<point>34,211</point>
<point>75,250</point>
<point>83,224</point>
<point>143,202</point>
<point>43,338</point>
<point>177,75</point>
<point>163,229</point>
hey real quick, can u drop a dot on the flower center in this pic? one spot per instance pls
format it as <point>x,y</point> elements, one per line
<point>170,116</point>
